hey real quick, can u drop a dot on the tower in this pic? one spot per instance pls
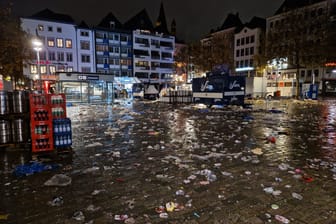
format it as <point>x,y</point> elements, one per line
<point>173,28</point>
<point>161,22</point>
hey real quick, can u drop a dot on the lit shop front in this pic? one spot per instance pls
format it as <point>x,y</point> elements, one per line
<point>85,87</point>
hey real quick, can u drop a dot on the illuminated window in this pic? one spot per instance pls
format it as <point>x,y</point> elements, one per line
<point>59,42</point>
<point>40,27</point>
<point>43,69</point>
<point>51,42</point>
<point>68,43</point>
<point>33,69</point>
<point>52,69</point>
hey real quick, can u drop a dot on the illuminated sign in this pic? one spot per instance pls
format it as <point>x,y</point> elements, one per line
<point>330,64</point>
<point>244,69</point>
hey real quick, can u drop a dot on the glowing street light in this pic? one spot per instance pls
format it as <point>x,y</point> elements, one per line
<point>37,46</point>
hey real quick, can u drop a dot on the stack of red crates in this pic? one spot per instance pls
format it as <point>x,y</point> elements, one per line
<point>41,123</point>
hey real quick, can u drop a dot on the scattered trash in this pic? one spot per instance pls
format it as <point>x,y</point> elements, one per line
<point>274,206</point>
<point>257,151</point>
<point>120,217</point>
<point>281,219</point>
<point>170,206</point>
<point>163,215</point>
<point>271,139</point>
<point>92,208</point>
<point>78,216</point>
<point>57,201</point>
<point>197,215</point>
<point>297,196</point>
<point>32,168</point>
<point>58,180</point>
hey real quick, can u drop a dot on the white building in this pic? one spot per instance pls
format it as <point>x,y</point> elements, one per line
<point>85,49</point>
<point>57,32</point>
<point>249,43</point>
<point>153,58</point>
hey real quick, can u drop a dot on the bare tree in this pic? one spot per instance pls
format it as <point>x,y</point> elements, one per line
<point>298,36</point>
<point>12,46</point>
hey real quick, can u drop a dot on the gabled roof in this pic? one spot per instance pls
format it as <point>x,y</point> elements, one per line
<point>106,22</point>
<point>232,20</point>
<point>295,4</point>
<point>49,15</point>
<point>161,22</point>
<point>83,25</point>
<point>139,21</point>
<point>255,22</point>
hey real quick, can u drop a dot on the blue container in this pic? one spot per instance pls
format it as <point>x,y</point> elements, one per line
<point>313,91</point>
<point>62,133</point>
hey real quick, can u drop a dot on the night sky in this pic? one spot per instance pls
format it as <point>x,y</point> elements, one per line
<point>193,18</point>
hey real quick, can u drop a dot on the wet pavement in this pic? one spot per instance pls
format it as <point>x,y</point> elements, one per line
<point>149,162</point>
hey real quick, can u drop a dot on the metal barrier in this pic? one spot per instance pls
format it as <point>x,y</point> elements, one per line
<point>177,96</point>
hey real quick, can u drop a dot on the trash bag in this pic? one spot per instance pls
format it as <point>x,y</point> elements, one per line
<point>32,168</point>
<point>58,180</point>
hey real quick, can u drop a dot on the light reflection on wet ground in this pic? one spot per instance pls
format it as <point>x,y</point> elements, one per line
<point>214,164</point>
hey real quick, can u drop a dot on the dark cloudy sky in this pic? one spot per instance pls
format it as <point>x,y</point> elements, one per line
<point>194,18</point>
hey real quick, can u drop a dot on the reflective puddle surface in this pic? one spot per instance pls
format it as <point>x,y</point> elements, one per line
<point>148,162</point>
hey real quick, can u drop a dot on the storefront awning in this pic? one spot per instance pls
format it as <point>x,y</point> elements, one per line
<point>126,80</point>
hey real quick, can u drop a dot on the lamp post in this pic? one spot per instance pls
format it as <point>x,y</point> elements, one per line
<point>37,46</point>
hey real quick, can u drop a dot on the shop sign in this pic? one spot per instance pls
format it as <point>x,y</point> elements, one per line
<point>88,77</point>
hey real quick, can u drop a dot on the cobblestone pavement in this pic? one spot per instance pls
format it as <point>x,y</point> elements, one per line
<point>148,162</point>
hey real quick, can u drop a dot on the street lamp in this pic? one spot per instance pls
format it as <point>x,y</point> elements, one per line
<point>37,46</point>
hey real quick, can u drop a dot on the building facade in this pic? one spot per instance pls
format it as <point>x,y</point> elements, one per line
<point>89,58</point>
<point>297,44</point>
<point>153,59</point>
<point>218,46</point>
<point>249,45</point>
<point>58,53</point>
